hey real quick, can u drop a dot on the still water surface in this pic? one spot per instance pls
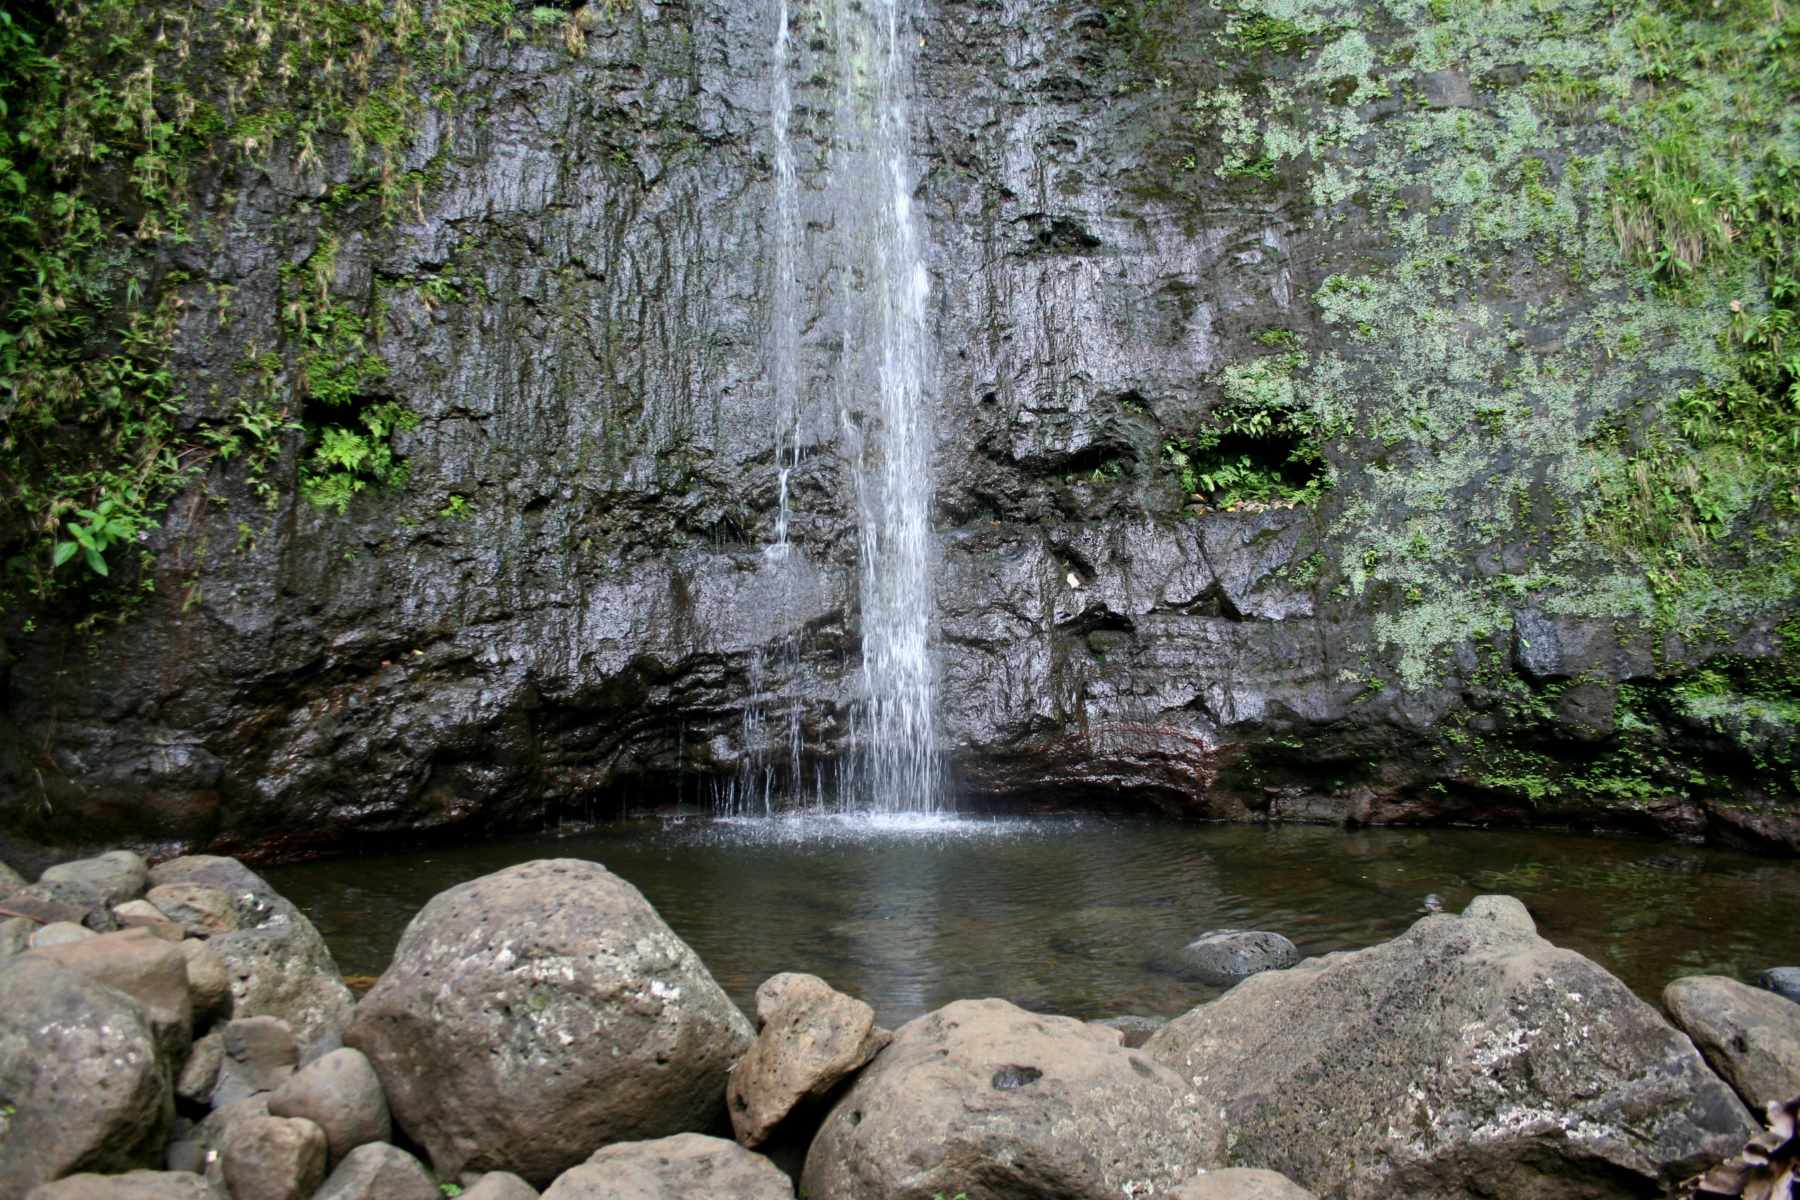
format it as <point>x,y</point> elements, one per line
<point>1083,916</point>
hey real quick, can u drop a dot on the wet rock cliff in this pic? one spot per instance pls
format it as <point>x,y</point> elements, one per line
<point>1289,380</point>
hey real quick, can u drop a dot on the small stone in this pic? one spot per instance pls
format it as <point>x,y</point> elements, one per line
<point>500,1185</point>
<point>379,1172</point>
<point>260,1055</point>
<point>274,1158</point>
<point>118,875</point>
<point>200,1074</point>
<point>1749,1036</point>
<point>1241,1183</point>
<point>211,1135</point>
<point>133,1185</point>
<point>681,1167</point>
<point>199,910</point>
<point>341,1095</point>
<point>141,914</point>
<point>1783,981</point>
<point>1223,956</point>
<point>59,933</point>
<point>208,982</point>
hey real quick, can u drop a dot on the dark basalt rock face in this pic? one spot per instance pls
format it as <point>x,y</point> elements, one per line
<point>601,625</point>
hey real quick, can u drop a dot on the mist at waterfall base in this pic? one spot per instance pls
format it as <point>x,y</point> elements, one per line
<point>1086,916</point>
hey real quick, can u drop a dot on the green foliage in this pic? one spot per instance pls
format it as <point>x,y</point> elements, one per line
<point>1266,34</point>
<point>109,114</point>
<point>1262,446</point>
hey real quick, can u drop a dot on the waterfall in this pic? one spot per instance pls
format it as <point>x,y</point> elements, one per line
<point>872,266</point>
<point>875,188</point>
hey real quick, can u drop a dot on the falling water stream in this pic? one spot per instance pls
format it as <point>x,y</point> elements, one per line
<point>894,478</point>
<point>876,262</point>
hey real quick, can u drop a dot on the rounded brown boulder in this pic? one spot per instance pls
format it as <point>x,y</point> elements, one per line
<point>982,1094</point>
<point>536,1014</point>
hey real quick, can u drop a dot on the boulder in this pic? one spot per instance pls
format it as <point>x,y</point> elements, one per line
<point>673,1168</point>
<point>1467,1057</point>
<point>375,1171</point>
<point>10,880</point>
<point>144,967</point>
<point>812,1039</point>
<point>1029,1105</point>
<point>500,1185</point>
<point>133,1185</point>
<point>259,1056</point>
<point>58,933</point>
<point>141,914</point>
<point>118,875</point>
<point>554,993</point>
<point>1241,1183</point>
<point>341,1095</point>
<point>80,1071</point>
<point>66,900</point>
<point>199,911</point>
<point>278,963</point>
<point>274,1158</point>
<point>1749,1036</point>
<point>1783,981</point>
<point>1224,956</point>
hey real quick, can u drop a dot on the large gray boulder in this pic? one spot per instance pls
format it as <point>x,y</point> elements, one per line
<point>1028,1105</point>
<point>278,964</point>
<point>1467,1057</point>
<point>118,875</point>
<point>812,1038</point>
<point>1749,1036</point>
<point>536,1013</point>
<point>81,1072</point>
<point>133,1185</point>
<point>683,1167</point>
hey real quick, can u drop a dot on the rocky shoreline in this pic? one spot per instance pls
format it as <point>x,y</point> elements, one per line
<point>181,1031</point>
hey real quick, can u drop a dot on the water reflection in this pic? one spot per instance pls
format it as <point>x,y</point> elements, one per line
<point>1084,916</point>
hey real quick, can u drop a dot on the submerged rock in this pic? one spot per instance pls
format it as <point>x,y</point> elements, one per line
<point>1029,1105</point>
<point>1224,956</point>
<point>541,1011</point>
<point>682,1167</point>
<point>1466,1058</point>
<point>1749,1036</point>
<point>1783,981</point>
